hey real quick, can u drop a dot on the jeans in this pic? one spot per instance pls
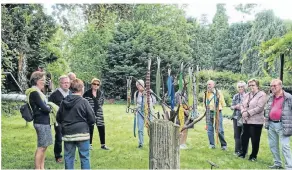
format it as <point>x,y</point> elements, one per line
<point>69,154</point>
<point>58,141</point>
<point>140,122</point>
<point>275,133</point>
<point>211,130</point>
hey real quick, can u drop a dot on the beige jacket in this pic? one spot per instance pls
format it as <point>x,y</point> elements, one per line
<point>255,108</point>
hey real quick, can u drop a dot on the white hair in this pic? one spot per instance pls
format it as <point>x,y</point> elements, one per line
<point>140,82</point>
<point>241,83</point>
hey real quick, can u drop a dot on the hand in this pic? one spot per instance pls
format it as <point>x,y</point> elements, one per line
<point>245,115</point>
<point>238,106</point>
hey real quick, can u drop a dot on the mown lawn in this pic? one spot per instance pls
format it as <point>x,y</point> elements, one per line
<point>19,144</point>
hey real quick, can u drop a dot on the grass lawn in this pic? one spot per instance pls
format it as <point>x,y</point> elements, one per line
<point>19,144</point>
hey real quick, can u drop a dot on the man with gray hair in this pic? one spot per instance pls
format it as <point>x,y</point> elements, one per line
<point>278,113</point>
<point>71,76</point>
<point>56,97</point>
<point>214,102</point>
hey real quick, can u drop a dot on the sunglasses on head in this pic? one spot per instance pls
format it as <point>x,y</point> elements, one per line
<point>95,84</point>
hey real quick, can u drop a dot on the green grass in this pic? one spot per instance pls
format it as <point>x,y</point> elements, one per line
<point>19,144</point>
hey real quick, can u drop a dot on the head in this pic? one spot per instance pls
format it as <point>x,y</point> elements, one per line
<point>38,79</point>
<point>253,85</point>
<point>140,85</point>
<point>241,87</point>
<point>64,82</point>
<point>71,76</point>
<point>210,85</point>
<point>276,86</point>
<point>95,84</point>
<point>77,86</point>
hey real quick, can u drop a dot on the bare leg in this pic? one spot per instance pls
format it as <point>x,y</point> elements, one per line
<point>183,137</point>
<point>40,157</point>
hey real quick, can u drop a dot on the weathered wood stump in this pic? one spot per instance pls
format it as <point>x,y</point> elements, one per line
<point>164,145</point>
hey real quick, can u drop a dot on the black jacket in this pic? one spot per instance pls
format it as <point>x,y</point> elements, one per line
<point>40,109</point>
<point>75,115</point>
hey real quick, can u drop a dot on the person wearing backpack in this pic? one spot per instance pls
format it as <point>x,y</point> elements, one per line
<point>41,118</point>
<point>75,115</point>
<point>140,100</point>
<point>56,97</point>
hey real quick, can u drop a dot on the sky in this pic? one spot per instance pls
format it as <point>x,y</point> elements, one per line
<point>195,9</point>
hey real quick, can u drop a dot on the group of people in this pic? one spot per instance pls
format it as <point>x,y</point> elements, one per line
<point>255,109</point>
<point>77,112</point>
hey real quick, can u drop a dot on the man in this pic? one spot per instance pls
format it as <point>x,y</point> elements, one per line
<point>278,115</point>
<point>56,97</point>
<point>71,76</point>
<point>214,101</point>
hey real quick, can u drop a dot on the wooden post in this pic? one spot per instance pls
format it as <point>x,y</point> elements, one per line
<point>164,145</point>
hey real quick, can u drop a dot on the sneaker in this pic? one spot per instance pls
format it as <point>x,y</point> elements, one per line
<point>140,146</point>
<point>252,159</point>
<point>183,146</point>
<point>224,148</point>
<point>241,155</point>
<point>90,147</point>
<point>211,147</point>
<point>104,147</point>
<point>276,167</point>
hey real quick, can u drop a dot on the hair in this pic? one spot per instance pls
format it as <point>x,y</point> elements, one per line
<point>95,79</point>
<point>35,76</point>
<point>241,83</point>
<point>140,82</point>
<point>256,82</point>
<point>70,74</point>
<point>77,85</point>
<point>278,81</point>
<point>211,81</point>
<point>63,77</point>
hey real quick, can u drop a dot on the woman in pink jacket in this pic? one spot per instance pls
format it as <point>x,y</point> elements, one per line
<point>252,111</point>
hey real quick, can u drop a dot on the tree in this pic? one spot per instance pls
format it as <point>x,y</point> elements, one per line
<point>265,27</point>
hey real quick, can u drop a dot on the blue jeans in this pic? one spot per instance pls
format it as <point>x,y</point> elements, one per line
<point>275,133</point>
<point>140,122</point>
<point>69,154</point>
<point>211,130</point>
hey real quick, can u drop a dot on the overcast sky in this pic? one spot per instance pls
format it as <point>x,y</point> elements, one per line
<point>281,9</point>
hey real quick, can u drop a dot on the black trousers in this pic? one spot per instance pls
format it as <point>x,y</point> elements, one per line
<point>101,131</point>
<point>58,141</point>
<point>237,136</point>
<point>254,132</point>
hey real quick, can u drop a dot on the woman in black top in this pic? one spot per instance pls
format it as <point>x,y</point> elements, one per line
<point>41,122</point>
<point>96,99</point>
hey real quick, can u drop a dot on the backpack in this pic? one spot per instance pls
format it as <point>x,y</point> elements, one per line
<point>26,111</point>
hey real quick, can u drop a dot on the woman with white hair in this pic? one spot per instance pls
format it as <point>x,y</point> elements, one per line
<point>140,100</point>
<point>236,117</point>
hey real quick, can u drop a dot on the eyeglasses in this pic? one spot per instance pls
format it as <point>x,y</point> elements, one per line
<point>251,85</point>
<point>273,86</point>
<point>95,84</point>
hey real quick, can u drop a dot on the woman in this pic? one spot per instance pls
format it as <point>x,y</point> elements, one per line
<point>41,121</point>
<point>76,116</point>
<point>237,125</point>
<point>252,112</point>
<point>96,99</point>
<point>140,100</point>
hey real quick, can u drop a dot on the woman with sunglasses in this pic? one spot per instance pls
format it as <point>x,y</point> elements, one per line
<point>95,98</point>
<point>252,111</point>
<point>236,117</point>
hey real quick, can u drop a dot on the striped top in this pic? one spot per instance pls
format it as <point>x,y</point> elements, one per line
<point>96,103</point>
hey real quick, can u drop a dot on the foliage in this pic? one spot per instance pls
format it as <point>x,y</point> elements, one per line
<point>24,28</point>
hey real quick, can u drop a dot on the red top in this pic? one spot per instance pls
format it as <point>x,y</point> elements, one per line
<point>276,110</point>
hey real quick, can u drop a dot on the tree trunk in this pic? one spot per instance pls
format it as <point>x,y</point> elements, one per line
<point>164,145</point>
<point>22,71</point>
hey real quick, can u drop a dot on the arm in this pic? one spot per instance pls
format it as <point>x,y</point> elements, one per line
<point>221,100</point>
<point>259,106</point>
<point>59,114</point>
<point>34,96</point>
